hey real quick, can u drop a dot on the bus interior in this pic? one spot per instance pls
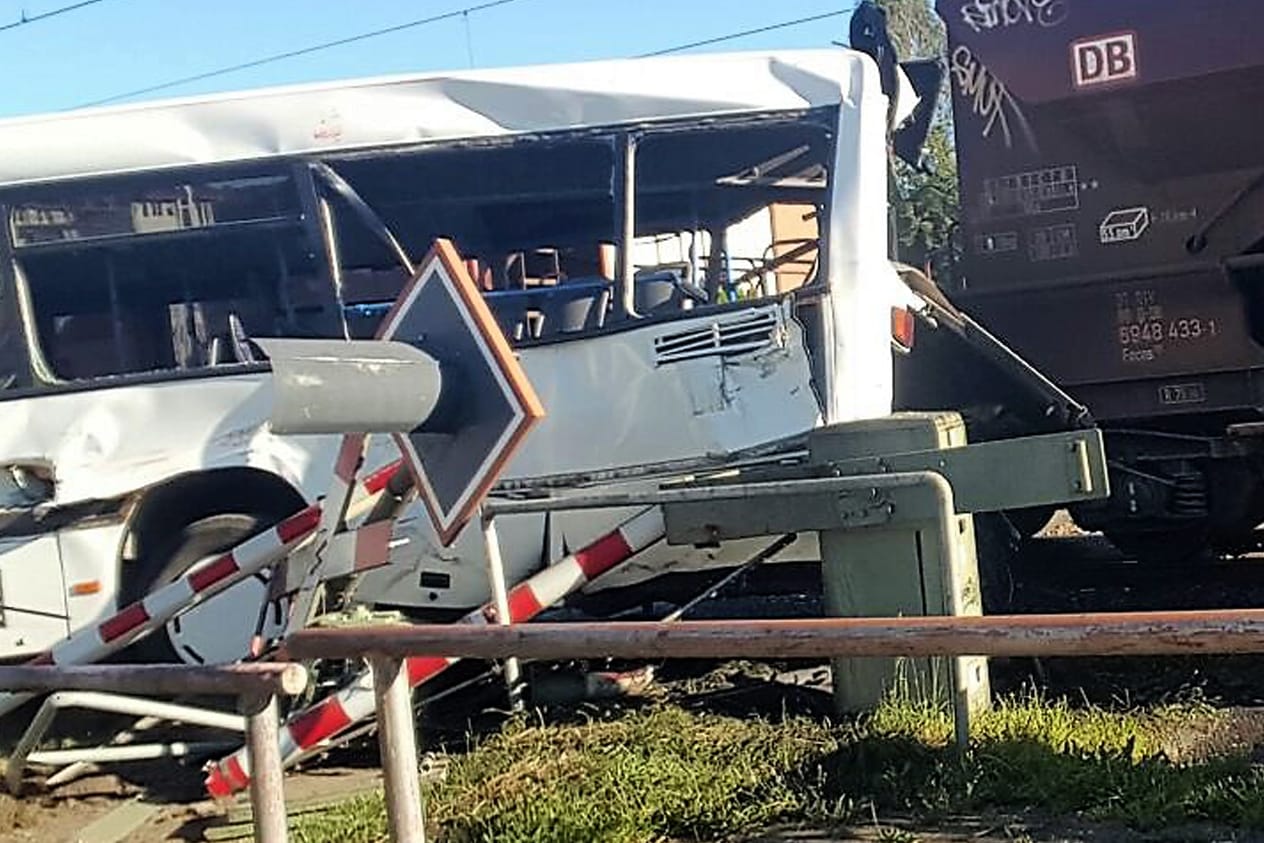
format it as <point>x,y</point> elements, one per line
<point>169,274</point>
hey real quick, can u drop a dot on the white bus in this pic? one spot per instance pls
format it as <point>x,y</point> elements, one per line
<point>689,254</point>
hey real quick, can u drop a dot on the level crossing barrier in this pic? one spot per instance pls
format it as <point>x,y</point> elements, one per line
<point>781,506</point>
<point>115,632</point>
<point>354,702</point>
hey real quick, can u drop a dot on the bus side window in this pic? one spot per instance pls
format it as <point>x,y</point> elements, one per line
<point>85,345</point>
<point>368,294</point>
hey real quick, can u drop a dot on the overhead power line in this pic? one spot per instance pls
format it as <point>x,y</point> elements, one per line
<point>302,51</point>
<point>51,13</point>
<point>461,13</point>
<point>746,32</point>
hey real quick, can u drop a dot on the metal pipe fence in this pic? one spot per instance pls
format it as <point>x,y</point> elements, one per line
<point>1112,634</point>
<point>1122,634</point>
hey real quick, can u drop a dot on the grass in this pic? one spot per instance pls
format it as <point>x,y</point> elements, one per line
<point>663,773</point>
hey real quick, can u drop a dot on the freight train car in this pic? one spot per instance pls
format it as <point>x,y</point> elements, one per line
<point>1111,167</point>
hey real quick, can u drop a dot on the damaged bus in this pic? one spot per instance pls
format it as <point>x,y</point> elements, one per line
<point>689,255</point>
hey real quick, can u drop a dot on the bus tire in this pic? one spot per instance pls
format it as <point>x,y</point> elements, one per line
<point>180,551</point>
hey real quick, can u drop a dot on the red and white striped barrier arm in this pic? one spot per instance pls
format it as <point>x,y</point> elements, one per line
<point>93,643</point>
<point>353,703</point>
<point>374,484</point>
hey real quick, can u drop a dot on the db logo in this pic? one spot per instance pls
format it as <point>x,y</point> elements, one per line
<point>1109,58</point>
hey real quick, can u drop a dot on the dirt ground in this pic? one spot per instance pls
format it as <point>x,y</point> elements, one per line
<point>61,817</point>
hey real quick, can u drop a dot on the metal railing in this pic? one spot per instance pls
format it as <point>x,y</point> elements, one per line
<point>386,648</point>
<point>256,687</point>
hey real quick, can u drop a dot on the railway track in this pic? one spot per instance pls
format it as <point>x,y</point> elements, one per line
<point>1086,573</point>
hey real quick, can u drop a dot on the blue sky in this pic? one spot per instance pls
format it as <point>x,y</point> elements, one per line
<point>116,46</point>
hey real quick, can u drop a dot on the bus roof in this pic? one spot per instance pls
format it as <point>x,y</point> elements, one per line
<point>414,109</point>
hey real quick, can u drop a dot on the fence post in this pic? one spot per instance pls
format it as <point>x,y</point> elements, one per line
<point>267,794</point>
<point>397,740</point>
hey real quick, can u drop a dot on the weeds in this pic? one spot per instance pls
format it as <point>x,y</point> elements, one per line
<point>664,773</point>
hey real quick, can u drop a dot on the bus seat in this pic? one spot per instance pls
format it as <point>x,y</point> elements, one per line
<point>569,311</point>
<point>243,348</point>
<point>657,292</point>
<point>510,310</point>
<point>577,312</point>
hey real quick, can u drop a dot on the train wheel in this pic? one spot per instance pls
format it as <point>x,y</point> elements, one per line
<point>996,546</point>
<point>1170,548</point>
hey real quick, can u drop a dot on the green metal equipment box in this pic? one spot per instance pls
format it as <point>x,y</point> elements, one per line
<point>901,569</point>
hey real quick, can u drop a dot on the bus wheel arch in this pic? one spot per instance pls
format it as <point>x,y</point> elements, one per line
<point>176,524</point>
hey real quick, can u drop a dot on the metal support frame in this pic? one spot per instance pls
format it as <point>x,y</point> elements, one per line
<point>24,752</point>
<point>816,486</point>
<point>878,491</point>
<point>124,738</point>
<point>625,193</point>
<point>717,262</point>
<point>820,503</point>
<point>779,451</point>
<point>255,685</point>
<point>363,211</point>
<point>1061,468</point>
<point>130,752</point>
<point>317,233</point>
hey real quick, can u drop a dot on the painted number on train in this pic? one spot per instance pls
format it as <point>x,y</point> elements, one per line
<point>1182,393</point>
<point>1191,329</point>
<point>1145,328</point>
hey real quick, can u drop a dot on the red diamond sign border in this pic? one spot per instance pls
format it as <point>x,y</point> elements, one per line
<point>444,265</point>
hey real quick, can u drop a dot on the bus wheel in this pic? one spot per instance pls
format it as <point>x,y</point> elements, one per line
<point>218,630</point>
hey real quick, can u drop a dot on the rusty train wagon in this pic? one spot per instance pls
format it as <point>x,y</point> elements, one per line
<point>1111,172</point>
